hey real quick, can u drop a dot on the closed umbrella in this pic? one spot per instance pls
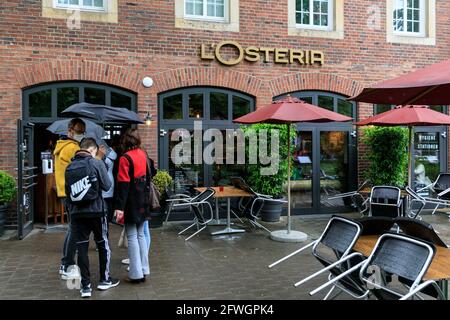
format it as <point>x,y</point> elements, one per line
<point>287,111</point>
<point>92,129</point>
<point>102,113</point>
<point>410,116</point>
<point>427,86</point>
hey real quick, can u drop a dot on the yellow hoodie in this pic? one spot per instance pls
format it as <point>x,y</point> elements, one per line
<point>64,152</point>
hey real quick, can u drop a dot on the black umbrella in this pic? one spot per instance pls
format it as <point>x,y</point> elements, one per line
<point>92,129</point>
<point>101,113</point>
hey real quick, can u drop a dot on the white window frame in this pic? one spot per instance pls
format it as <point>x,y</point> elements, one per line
<point>422,20</point>
<point>58,5</point>
<point>205,17</point>
<point>311,20</point>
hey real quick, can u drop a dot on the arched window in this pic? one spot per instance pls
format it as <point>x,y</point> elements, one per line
<point>46,102</point>
<point>204,103</point>
<point>216,108</point>
<point>327,100</point>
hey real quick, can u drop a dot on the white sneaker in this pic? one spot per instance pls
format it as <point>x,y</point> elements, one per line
<point>71,273</point>
<point>126,261</point>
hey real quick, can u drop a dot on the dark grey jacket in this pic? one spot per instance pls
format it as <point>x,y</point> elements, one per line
<point>97,207</point>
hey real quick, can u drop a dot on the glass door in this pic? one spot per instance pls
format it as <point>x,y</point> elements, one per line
<point>334,167</point>
<point>188,174</point>
<point>26,178</point>
<point>324,165</point>
<point>429,156</point>
<point>302,171</point>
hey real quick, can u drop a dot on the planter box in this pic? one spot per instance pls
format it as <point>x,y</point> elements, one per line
<point>271,211</point>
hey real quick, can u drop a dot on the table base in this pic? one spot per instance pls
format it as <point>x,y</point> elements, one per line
<point>227,230</point>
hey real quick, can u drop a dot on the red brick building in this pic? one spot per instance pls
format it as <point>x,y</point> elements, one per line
<point>51,55</point>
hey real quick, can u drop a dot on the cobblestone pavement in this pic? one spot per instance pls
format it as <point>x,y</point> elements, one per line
<point>206,267</point>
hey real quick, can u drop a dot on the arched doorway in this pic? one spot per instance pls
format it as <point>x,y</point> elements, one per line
<point>43,105</point>
<point>325,157</point>
<point>214,108</point>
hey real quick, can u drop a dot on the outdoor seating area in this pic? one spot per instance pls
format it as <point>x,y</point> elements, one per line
<point>225,150</point>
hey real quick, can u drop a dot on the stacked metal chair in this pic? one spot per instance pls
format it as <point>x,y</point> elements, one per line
<point>199,204</point>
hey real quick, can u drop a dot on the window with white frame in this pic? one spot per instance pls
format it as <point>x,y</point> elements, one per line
<point>98,5</point>
<point>314,14</point>
<point>207,9</point>
<point>409,17</point>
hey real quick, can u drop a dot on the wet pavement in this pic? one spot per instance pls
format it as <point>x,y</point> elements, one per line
<point>206,267</point>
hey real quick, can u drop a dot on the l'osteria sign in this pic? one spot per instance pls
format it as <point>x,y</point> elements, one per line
<point>266,54</point>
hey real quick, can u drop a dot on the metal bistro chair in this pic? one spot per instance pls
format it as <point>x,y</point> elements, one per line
<point>415,200</point>
<point>198,205</point>
<point>385,201</point>
<point>397,255</point>
<point>333,249</point>
<point>250,207</point>
<point>375,225</point>
<point>441,188</point>
<point>358,200</point>
<point>419,229</point>
<point>175,198</point>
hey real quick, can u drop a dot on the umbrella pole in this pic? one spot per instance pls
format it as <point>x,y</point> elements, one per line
<point>288,235</point>
<point>289,178</point>
<point>410,144</point>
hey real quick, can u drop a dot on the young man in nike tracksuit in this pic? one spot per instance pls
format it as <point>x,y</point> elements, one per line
<point>86,178</point>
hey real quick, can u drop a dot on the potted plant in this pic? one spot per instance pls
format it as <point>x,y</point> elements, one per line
<point>7,193</point>
<point>387,155</point>
<point>162,181</point>
<point>272,184</point>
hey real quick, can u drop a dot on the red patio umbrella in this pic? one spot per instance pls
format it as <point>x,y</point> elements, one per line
<point>409,116</point>
<point>427,86</point>
<point>287,111</point>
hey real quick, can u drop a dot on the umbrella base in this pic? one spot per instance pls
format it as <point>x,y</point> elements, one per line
<point>292,236</point>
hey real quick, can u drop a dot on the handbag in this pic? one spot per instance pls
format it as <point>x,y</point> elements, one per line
<point>153,193</point>
<point>123,240</point>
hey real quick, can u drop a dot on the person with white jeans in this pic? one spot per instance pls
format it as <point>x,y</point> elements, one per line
<point>131,205</point>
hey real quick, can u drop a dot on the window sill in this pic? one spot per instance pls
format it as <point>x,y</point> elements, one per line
<point>204,24</point>
<point>105,16</point>
<point>411,39</point>
<point>80,9</point>
<point>315,33</point>
<point>201,19</point>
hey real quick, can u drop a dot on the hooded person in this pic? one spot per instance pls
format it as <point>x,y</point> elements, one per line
<point>109,156</point>
<point>64,152</point>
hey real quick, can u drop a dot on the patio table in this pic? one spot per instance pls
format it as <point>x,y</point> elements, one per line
<point>438,271</point>
<point>228,193</point>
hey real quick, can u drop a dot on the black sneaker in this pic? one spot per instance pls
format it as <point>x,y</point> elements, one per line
<point>86,291</point>
<point>105,285</point>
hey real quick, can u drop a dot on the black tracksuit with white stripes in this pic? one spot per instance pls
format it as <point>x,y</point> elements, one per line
<point>85,221</point>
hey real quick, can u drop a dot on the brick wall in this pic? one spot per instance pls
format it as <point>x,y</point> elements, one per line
<point>145,42</point>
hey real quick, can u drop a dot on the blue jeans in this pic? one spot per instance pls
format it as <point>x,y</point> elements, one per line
<point>137,250</point>
<point>147,235</point>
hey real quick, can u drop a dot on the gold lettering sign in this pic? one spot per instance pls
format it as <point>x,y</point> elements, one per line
<point>265,54</point>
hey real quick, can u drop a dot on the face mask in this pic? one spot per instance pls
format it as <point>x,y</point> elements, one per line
<point>78,137</point>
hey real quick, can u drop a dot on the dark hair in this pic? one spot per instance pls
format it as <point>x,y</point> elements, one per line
<point>74,122</point>
<point>87,143</point>
<point>130,140</point>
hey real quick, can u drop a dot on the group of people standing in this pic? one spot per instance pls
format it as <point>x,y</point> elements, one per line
<point>97,184</point>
